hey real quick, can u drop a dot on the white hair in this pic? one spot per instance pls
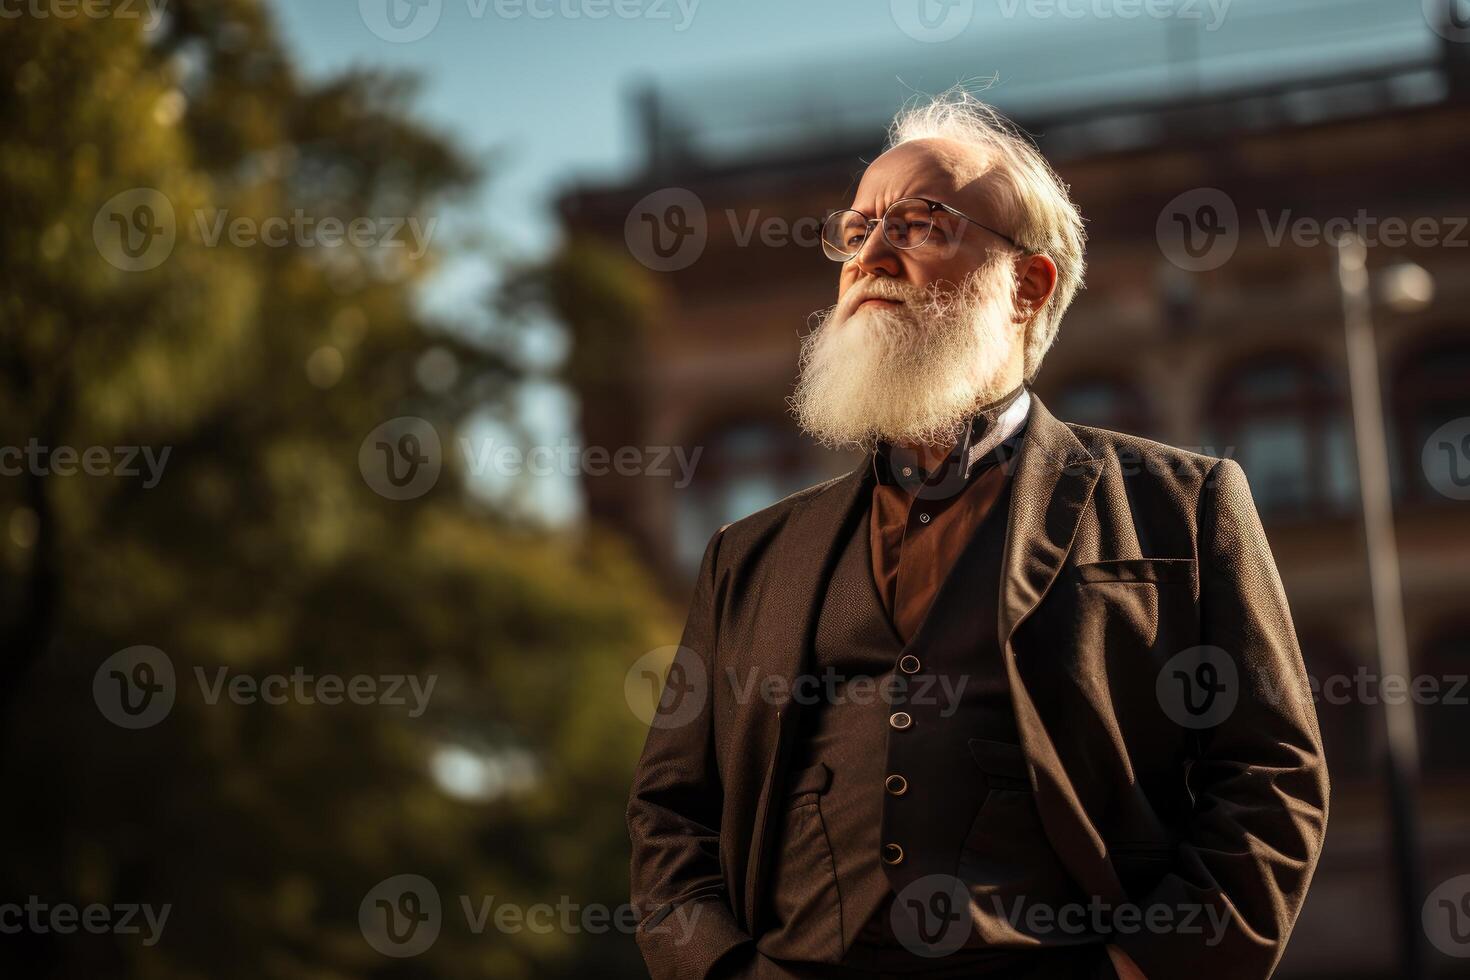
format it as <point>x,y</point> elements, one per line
<point>1044,218</point>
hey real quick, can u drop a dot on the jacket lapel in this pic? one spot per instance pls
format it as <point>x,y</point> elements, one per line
<point>805,554</point>
<point>1053,484</point>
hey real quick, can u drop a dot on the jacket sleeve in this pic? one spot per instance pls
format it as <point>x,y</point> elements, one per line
<point>686,923</point>
<point>1259,779</point>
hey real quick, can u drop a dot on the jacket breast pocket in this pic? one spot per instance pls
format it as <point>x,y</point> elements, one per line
<point>1136,604</point>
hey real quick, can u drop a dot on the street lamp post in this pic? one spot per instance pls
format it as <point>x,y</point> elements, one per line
<point>1402,743</point>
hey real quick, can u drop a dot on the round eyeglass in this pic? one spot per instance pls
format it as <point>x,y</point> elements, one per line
<point>907,223</point>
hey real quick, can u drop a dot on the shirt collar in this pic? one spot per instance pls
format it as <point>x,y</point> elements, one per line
<point>991,435</point>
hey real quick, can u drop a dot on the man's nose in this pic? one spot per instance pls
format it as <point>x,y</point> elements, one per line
<point>876,256</point>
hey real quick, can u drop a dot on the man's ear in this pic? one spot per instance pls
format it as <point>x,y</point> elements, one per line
<point>1036,280</point>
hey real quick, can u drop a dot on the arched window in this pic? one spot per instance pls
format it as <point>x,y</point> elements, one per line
<point>1106,403</point>
<point>1285,420</point>
<point>743,467</point>
<point>1430,388</point>
<point>1446,660</point>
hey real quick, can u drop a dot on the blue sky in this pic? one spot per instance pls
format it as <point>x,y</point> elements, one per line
<point>549,93</point>
<point>545,83</point>
<point>540,88</point>
<point>547,96</point>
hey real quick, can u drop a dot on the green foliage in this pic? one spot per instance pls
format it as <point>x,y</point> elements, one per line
<point>601,295</point>
<point>262,549</point>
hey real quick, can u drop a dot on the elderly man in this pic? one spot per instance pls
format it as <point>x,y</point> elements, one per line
<point>1013,698</point>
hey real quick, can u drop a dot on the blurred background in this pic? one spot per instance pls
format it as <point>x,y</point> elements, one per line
<point>374,373</point>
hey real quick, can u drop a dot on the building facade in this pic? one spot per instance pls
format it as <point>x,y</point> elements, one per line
<point>1212,319</point>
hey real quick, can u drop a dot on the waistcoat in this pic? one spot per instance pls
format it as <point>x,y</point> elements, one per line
<point>907,765</point>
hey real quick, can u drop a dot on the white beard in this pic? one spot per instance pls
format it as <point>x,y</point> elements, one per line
<point>911,374</point>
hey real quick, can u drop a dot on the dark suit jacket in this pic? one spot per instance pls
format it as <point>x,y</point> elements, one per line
<point>1121,554</point>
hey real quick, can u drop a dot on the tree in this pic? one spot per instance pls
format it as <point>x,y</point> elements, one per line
<point>260,542</point>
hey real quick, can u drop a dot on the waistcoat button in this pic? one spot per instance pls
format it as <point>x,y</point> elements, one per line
<point>896,785</point>
<point>908,663</point>
<point>900,720</point>
<point>892,854</point>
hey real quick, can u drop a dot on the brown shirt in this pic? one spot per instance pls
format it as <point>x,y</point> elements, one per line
<point>920,522</point>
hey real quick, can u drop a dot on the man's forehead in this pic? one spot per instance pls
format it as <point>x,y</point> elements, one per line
<point>941,168</point>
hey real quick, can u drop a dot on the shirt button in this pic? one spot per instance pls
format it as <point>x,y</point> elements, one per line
<point>923,518</point>
<point>908,471</point>
<point>909,663</point>
<point>896,785</point>
<point>900,720</point>
<point>892,854</point>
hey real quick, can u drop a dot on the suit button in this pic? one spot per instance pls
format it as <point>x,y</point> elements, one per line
<point>892,854</point>
<point>908,663</point>
<point>896,785</point>
<point>900,720</point>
